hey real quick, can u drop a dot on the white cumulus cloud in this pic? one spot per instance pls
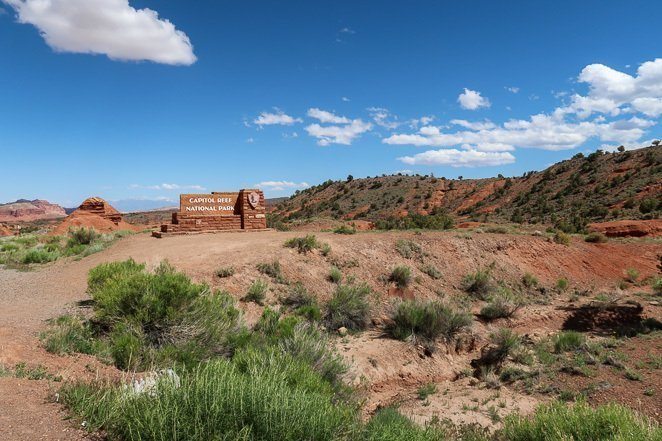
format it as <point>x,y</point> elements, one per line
<point>275,118</point>
<point>325,116</point>
<point>109,27</point>
<point>472,100</point>
<point>338,134</point>
<point>281,185</point>
<point>459,158</point>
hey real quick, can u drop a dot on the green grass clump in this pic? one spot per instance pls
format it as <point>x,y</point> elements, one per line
<point>390,425</point>
<point>562,238</point>
<point>39,255</point>
<point>631,275</point>
<point>595,238</point>
<point>298,296</point>
<point>349,307</point>
<point>529,280</point>
<point>408,248</point>
<point>479,284</point>
<point>335,275</point>
<point>568,341</point>
<point>562,284</point>
<point>344,229</point>
<point>426,390</point>
<point>274,399</point>
<point>426,321</point>
<point>225,271</point>
<point>401,276</point>
<point>657,285</point>
<point>559,421</point>
<point>82,236</point>
<point>502,303</point>
<point>303,245</point>
<point>257,292</point>
<point>431,271</point>
<point>69,334</point>
<point>273,270</point>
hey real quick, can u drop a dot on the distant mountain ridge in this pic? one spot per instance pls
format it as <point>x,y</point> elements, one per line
<point>24,210</point>
<point>597,187</point>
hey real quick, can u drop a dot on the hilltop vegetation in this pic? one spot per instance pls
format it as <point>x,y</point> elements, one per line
<point>597,187</point>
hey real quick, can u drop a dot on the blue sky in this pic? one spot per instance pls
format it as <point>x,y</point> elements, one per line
<point>148,99</point>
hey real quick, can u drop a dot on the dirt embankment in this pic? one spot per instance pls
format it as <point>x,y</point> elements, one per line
<point>388,371</point>
<point>628,228</point>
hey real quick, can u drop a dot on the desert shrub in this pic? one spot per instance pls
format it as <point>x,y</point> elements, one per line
<point>562,284</point>
<point>426,321</point>
<point>69,334</point>
<point>160,317</point>
<point>437,221</point>
<point>431,271</point>
<point>504,342</point>
<point>335,275</point>
<point>325,249</point>
<point>303,244</point>
<point>390,425</point>
<point>344,229</point>
<point>479,284</point>
<point>595,238</point>
<point>225,271</point>
<point>257,292</point>
<point>272,269</point>
<point>311,313</point>
<point>580,422</point>
<point>81,236</point>
<point>631,275</point>
<point>298,296</point>
<point>349,307</point>
<point>501,304</point>
<point>568,341</point>
<point>562,238</point>
<point>401,276</point>
<point>39,255</point>
<point>529,280</point>
<point>408,248</point>
<point>657,285</point>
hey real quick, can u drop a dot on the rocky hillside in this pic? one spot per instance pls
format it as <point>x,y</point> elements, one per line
<point>597,187</point>
<point>29,211</point>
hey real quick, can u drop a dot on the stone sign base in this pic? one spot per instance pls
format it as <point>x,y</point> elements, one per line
<point>201,213</point>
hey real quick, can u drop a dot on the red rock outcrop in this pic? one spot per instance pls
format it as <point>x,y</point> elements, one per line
<point>5,231</point>
<point>628,228</point>
<point>94,213</point>
<point>28,211</point>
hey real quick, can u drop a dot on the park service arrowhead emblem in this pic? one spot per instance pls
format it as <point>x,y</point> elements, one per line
<point>254,199</point>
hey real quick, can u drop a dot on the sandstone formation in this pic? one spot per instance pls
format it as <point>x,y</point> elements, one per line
<point>628,228</point>
<point>5,231</point>
<point>94,213</point>
<point>27,211</point>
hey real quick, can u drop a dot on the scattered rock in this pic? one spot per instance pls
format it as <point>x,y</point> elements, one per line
<point>342,331</point>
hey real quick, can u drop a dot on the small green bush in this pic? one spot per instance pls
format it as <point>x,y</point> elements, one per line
<point>426,320</point>
<point>349,307</point>
<point>401,276</point>
<point>505,341</point>
<point>431,271</point>
<point>562,238</point>
<point>257,292</point>
<point>426,390</point>
<point>335,275</point>
<point>568,341</point>
<point>657,285</point>
<point>273,270</point>
<point>479,284</point>
<point>408,248</point>
<point>82,236</point>
<point>529,280</point>
<point>298,296</point>
<point>562,284</point>
<point>502,304</point>
<point>559,421</point>
<point>632,274</point>
<point>39,255</point>
<point>226,271</point>
<point>390,425</point>
<point>595,238</point>
<point>68,334</point>
<point>344,229</point>
<point>303,245</point>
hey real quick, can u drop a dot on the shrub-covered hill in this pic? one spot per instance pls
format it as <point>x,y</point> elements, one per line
<point>569,194</point>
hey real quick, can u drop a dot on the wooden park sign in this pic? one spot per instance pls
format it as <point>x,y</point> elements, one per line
<point>244,210</point>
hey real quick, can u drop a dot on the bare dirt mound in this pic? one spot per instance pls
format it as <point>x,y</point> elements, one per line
<point>95,213</point>
<point>629,228</point>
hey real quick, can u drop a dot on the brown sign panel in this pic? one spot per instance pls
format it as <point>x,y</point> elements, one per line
<point>215,204</point>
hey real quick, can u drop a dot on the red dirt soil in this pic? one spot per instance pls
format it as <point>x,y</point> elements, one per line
<point>5,231</point>
<point>628,228</point>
